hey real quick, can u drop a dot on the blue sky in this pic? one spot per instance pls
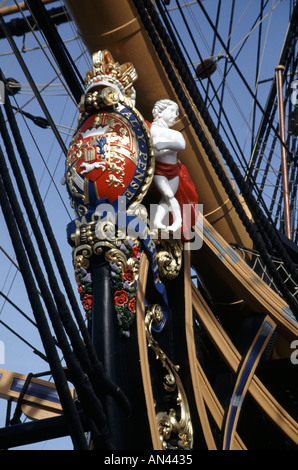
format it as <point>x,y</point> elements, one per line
<point>48,159</point>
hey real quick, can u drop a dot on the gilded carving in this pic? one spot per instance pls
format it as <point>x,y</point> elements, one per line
<point>169,257</point>
<point>174,424</point>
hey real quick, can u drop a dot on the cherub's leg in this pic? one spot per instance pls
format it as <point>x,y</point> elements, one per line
<point>161,211</point>
<point>168,202</point>
<point>177,219</point>
<point>174,206</point>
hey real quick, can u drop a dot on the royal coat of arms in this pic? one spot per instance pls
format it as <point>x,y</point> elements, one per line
<point>110,153</point>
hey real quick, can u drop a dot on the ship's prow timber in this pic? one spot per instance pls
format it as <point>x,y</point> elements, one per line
<point>232,333</point>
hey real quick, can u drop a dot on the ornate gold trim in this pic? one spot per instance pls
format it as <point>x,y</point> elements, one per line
<point>169,257</point>
<point>172,422</point>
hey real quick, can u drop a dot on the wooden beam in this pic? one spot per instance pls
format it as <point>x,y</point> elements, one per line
<point>41,399</point>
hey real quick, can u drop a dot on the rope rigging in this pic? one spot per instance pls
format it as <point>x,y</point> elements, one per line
<point>159,37</point>
<point>71,334</point>
<point>19,26</point>
<point>59,312</point>
<point>60,315</point>
<point>32,83</point>
<point>35,350</point>
<point>258,164</point>
<point>174,34</point>
<point>51,353</point>
<point>256,187</point>
<point>69,64</point>
<point>58,49</point>
<point>264,197</point>
<point>230,132</point>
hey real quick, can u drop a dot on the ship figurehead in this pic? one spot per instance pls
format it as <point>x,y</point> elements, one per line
<point>111,157</point>
<point>111,153</point>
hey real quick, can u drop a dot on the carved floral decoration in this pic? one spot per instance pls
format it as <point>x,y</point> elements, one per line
<point>85,290</point>
<point>124,264</point>
<point>124,285</point>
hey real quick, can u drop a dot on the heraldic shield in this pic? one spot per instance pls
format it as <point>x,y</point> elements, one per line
<point>110,156</point>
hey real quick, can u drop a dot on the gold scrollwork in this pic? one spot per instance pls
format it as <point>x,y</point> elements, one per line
<point>168,422</point>
<point>114,255</point>
<point>88,244</point>
<point>81,257</point>
<point>169,257</point>
<point>92,101</point>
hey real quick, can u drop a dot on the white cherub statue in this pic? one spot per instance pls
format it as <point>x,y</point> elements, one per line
<point>167,143</point>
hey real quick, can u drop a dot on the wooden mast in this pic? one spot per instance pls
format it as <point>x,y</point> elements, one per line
<point>279,70</point>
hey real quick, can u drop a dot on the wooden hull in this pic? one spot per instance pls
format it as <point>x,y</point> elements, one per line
<point>230,381</point>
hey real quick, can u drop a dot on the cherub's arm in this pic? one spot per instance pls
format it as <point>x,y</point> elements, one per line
<point>162,140</point>
<point>176,145</point>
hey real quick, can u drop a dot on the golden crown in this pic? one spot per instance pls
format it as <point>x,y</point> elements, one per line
<point>107,72</point>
